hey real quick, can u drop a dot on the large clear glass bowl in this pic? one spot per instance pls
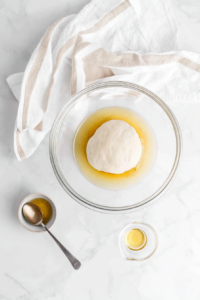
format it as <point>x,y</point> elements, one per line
<point>152,109</point>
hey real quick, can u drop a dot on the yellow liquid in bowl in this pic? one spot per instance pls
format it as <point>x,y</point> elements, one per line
<point>45,208</point>
<point>136,239</point>
<point>115,181</point>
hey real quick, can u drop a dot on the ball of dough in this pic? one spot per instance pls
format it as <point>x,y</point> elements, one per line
<point>114,148</point>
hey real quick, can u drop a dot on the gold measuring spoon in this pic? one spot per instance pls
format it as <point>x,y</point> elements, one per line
<point>34,216</point>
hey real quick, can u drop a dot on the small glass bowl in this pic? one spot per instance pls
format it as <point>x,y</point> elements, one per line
<point>146,250</point>
<point>152,109</point>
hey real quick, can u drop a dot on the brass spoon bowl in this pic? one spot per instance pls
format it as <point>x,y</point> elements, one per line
<point>35,216</point>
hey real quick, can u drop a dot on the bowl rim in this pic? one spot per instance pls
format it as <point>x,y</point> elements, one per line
<point>102,208</point>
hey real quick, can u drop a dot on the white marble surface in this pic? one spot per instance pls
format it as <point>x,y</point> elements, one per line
<point>31,265</point>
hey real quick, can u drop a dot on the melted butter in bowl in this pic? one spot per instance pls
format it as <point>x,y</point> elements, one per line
<point>45,208</point>
<point>135,239</point>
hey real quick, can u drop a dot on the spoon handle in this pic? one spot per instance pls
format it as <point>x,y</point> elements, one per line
<point>75,263</point>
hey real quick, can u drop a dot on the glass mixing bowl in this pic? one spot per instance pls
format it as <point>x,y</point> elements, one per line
<point>152,109</point>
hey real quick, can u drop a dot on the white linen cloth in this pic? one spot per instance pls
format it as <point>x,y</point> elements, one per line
<point>131,40</point>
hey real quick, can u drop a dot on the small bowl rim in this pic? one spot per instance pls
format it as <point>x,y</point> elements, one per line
<point>102,208</point>
<point>20,209</point>
<point>156,241</point>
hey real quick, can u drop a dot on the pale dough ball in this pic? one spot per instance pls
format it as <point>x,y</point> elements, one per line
<point>114,148</point>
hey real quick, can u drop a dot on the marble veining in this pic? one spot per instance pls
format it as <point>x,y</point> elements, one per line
<point>172,273</point>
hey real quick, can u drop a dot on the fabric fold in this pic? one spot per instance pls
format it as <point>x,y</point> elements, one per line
<point>107,40</point>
